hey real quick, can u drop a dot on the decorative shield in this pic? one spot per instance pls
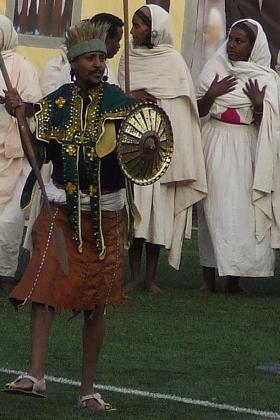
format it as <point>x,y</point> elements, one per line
<point>145,144</point>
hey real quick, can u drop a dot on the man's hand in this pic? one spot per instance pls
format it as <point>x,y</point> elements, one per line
<point>13,101</point>
<point>142,95</point>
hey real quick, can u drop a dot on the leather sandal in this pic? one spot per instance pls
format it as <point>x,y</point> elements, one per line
<point>102,405</point>
<point>37,388</point>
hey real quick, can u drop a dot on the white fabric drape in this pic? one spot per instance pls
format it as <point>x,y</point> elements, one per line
<point>264,193</point>
<point>13,166</point>
<point>161,26</point>
<point>165,207</point>
<point>204,32</point>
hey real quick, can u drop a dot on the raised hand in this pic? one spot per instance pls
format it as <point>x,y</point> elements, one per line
<point>254,93</point>
<point>221,87</point>
<point>217,88</point>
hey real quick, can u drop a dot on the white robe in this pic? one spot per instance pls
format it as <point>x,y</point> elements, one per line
<point>240,220</point>
<point>166,206</point>
<point>14,167</point>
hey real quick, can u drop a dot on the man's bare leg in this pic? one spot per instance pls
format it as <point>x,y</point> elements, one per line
<point>41,322</point>
<point>93,334</point>
<point>135,255</point>
<point>208,280</point>
<point>152,256</point>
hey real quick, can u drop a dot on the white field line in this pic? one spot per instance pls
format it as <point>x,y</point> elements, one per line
<point>158,396</point>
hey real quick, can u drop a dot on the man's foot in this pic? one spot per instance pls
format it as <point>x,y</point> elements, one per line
<point>28,385</point>
<point>132,285</point>
<point>152,288</point>
<point>94,402</point>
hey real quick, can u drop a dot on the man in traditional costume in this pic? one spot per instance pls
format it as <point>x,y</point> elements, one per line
<point>76,130</point>
<point>55,74</point>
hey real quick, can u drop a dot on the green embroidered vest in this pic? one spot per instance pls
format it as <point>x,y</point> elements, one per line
<point>60,117</point>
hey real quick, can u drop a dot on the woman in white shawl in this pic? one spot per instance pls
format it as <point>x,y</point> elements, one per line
<point>14,168</point>
<point>159,73</point>
<point>239,221</point>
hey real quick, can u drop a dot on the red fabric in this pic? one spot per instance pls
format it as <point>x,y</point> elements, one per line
<point>231,116</point>
<point>90,281</point>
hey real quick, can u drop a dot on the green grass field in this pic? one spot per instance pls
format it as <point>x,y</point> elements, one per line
<point>179,343</point>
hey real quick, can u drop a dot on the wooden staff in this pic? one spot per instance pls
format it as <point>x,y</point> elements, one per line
<point>27,139</point>
<point>126,45</point>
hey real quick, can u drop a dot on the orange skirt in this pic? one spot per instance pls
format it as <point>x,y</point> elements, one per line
<point>90,281</point>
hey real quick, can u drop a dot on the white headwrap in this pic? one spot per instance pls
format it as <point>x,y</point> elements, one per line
<point>160,70</point>
<point>260,53</point>
<point>257,67</point>
<point>8,35</point>
<point>161,27</point>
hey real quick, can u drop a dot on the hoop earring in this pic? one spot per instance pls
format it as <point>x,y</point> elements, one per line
<point>72,75</point>
<point>105,75</point>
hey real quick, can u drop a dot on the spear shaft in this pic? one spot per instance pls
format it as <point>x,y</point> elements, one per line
<point>126,45</point>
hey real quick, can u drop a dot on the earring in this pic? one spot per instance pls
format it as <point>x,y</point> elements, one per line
<point>72,75</point>
<point>105,75</point>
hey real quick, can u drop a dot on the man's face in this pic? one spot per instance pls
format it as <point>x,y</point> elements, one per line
<point>113,44</point>
<point>89,68</point>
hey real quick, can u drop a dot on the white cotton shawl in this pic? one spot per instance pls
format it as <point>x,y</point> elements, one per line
<point>161,32</point>
<point>266,185</point>
<point>24,78</point>
<point>162,72</point>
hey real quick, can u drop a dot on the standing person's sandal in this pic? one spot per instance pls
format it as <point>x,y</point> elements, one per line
<point>37,387</point>
<point>101,405</point>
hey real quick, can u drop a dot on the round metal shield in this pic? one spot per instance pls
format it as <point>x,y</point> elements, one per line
<point>145,144</point>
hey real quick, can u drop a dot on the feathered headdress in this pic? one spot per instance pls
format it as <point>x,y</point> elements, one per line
<point>86,37</point>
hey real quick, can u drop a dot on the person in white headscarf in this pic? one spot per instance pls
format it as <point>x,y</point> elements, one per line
<point>158,73</point>
<point>240,219</point>
<point>14,168</point>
